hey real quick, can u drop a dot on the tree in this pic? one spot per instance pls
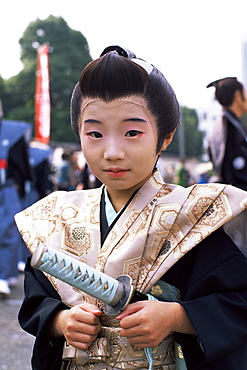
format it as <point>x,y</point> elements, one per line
<point>69,53</point>
<point>2,91</point>
<point>193,138</point>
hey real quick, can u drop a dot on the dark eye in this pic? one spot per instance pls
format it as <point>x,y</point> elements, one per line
<point>95,134</point>
<point>133,133</point>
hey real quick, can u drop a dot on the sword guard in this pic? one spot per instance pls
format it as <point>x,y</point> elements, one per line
<point>127,292</point>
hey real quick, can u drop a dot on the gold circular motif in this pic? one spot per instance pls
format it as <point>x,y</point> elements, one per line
<point>156,290</point>
<point>78,233</point>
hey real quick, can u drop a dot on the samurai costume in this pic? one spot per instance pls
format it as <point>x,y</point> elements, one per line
<point>228,152</point>
<point>14,172</point>
<point>171,242</point>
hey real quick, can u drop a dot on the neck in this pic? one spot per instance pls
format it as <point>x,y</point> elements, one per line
<point>119,198</point>
<point>237,109</point>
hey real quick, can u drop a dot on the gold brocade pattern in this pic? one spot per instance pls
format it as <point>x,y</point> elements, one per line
<point>69,213</point>
<point>160,225</point>
<point>156,290</point>
<point>179,352</point>
<point>102,366</point>
<point>77,241</point>
<point>115,351</point>
<point>44,211</point>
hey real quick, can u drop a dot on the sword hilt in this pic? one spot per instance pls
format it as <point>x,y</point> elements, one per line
<point>115,293</point>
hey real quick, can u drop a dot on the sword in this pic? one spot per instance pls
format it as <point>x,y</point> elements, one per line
<point>115,293</point>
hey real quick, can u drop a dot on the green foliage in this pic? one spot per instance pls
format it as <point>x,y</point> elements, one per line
<point>192,137</point>
<point>2,87</point>
<point>68,52</point>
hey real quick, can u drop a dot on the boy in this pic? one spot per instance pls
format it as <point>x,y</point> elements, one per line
<point>169,239</point>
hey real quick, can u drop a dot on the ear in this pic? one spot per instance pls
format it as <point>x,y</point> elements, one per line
<point>237,96</point>
<point>168,140</point>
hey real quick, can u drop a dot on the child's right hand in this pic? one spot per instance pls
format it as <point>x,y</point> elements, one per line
<point>80,325</point>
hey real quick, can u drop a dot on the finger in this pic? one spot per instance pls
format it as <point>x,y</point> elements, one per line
<point>130,309</point>
<point>134,317</point>
<point>86,314</point>
<point>132,332</point>
<point>87,329</point>
<point>142,341</point>
<point>81,341</point>
<point>88,307</point>
<point>81,332</point>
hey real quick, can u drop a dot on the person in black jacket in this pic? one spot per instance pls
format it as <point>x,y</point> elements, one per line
<point>227,147</point>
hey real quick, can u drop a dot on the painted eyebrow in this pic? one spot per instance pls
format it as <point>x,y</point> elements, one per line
<point>135,120</point>
<point>90,120</point>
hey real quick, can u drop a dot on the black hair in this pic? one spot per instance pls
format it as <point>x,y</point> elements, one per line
<point>225,90</point>
<point>117,74</point>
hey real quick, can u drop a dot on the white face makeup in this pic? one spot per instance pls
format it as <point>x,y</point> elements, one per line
<point>119,141</point>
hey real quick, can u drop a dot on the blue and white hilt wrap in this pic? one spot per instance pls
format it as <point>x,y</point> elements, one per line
<point>115,293</point>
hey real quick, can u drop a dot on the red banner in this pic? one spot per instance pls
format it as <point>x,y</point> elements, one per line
<point>42,96</point>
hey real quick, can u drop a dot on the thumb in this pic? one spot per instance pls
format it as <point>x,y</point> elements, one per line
<point>91,308</point>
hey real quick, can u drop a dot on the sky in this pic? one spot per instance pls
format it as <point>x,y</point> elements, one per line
<point>193,42</point>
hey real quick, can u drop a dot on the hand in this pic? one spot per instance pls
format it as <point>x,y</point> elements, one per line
<point>79,186</point>
<point>80,325</point>
<point>147,323</point>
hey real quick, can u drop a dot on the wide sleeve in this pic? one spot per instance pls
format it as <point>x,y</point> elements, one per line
<point>41,301</point>
<point>212,279</point>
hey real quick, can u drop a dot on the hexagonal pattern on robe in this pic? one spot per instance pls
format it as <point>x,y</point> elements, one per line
<point>165,217</point>
<point>77,239</point>
<point>208,212</point>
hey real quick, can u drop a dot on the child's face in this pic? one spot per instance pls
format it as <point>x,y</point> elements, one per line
<point>119,141</point>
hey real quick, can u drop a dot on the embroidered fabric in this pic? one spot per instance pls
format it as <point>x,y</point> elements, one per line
<point>111,350</point>
<point>160,225</point>
<point>114,351</point>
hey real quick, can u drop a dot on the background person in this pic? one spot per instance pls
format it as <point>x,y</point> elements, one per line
<point>67,171</point>
<point>40,186</point>
<point>15,171</point>
<point>227,148</point>
<point>182,175</point>
<point>88,180</point>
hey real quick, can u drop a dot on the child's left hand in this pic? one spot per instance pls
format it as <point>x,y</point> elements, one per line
<point>147,323</point>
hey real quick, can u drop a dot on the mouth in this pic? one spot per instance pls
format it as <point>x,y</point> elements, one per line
<point>116,172</point>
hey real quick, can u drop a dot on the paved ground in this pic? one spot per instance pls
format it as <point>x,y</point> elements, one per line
<point>15,344</point>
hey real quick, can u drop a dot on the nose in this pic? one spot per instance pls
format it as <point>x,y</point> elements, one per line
<point>113,151</point>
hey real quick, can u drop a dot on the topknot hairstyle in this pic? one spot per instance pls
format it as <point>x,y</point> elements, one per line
<point>225,89</point>
<point>116,74</point>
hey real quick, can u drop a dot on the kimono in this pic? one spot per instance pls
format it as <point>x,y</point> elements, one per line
<point>228,151</point>
<point>227,148</point>
<point>170,241</point>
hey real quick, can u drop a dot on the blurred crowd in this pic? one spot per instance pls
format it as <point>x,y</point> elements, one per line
<point>71,172</point>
